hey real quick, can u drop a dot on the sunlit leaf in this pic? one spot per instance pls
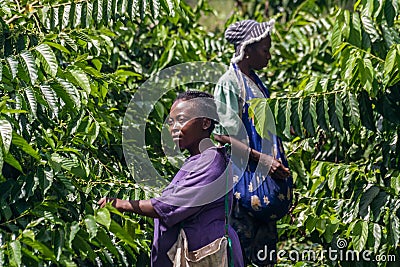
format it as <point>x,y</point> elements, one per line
<point>42,248</point>
<point>15,253</point>
<point>48,59</point>
<point>103,217</point>
<point>72,230</point>
<point>6,134</point>
<point>360,235</point>
<point>263,118</point>
<point>81,79</point>
<point>50,97</point>
<point>91,225</point>
<point>29,66</point>
<point>352,107</point>
<point>68,93</point>
<point>377,233</point>
<point>20,142</point>
<point>395,230</point>
<point>13,64</point>
<point>390,62</point>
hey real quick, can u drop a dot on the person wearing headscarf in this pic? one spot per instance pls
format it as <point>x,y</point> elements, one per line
<point>263,185</point>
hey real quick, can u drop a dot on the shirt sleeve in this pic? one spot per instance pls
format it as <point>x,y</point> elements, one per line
<point>227,96</point>
<point>200,188</point>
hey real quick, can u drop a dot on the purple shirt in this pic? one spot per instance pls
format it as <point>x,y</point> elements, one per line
<point>195,200</point>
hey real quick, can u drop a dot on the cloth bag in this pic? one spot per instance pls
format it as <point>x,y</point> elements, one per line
<point>214,254</point>
<point>265,198</point>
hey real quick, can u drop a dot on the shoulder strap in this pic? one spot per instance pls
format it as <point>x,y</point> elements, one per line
<point>230,250</point>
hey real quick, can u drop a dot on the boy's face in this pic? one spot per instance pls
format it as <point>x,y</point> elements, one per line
<point>186,126</point>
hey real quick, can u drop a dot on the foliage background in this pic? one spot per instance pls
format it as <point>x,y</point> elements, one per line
<point>67,73</point>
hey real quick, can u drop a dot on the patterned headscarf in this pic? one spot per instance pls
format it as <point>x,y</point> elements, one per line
<point>245,32</point>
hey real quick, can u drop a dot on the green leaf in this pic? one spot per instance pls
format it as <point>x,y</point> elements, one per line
<point>50,97</point>
<point>48,59</point>
<point>119,232</point>
<point>59,243</point>
<point>352,107</point>
<point>43,249</point>
<point>336,38</point>
<point>58,46</point>
<point>84,15</point>
<point>72,16</point>
<point>68,93</point>
<point>103,217</point>
<point>366,200</point>
<point>2,258</point>
<point>322,112</point>
<point>9,158</point>
<point>287,113</point>
<point>296,115</point>
<point>6,134</point>
<point>1,71</point>
<point>390,62</point>
<point>366,113</point>
<point>332,178</point>
<point>93,132</point>
<point>13,64</point>
<point>395,183</point>
<point>45,179</point>
<point>20,142</point>
<point>263,118</point>
<point>154,8</point>
<point>104,239</point>
<point>107,11</point>
<point>5,209</point>
<point>69,41</point>
<point>73,230</point>
<point>29,65</point>
<point>31,100</point>
<point>91,226</point>
<point>15,253</point>
<point>377,233</point>
<point>389,12</point>
<point>310,115</point>
<point>85,250</point>
<point>369,27</point>
<point>336,112</point>
<point>394,230</point>
<point>360,235</point>
<point>355,32</point>
<point>365,74</point>
<point>80,78</point>
<point>97,11</point>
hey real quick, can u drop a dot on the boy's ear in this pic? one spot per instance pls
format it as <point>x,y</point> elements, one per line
<point>206,123</point>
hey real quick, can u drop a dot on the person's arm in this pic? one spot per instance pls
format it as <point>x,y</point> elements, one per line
<point>276,169</point>
<point>141,207</point>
